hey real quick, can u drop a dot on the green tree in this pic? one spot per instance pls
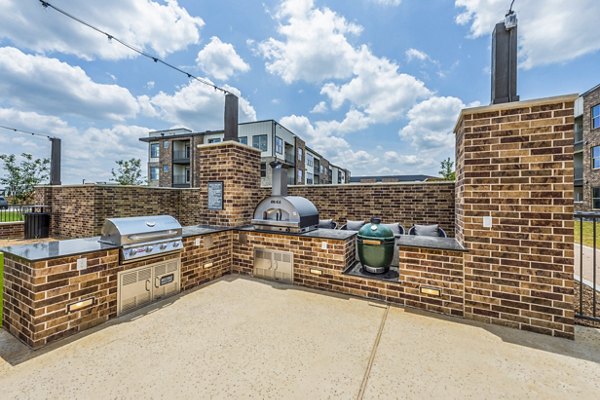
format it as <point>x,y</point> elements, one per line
<point>447,170</point>
<point>20,179</point>
<point>129,172</point>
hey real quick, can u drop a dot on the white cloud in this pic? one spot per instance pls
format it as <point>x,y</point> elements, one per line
<point>220,60</point>
<point>361,162</point>
<point>86,154</point>
<point>149,25</point>
<point>387,2</point>
<point>383,93</point>
<point>319,108</point>
<point>431,122</point>
<point>197,106</point>
<point>551,32</point>
<point>314,45</point>
<point>35,82</point>
<point>150,85</point>
<point>414,54</point>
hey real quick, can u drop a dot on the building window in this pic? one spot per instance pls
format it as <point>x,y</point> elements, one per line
<point>260,142</point>
<point>596,197</point>
<point>595,157</point>
<point>154,171</point>
<point>578,194</point>
<point>166,144</point>
<point>154,150</point>
<point>310,161</point>
<point>165,168</point>
<point>188,175</point>
<point>263,170</point>
<point>278,145</point>
<point>214,140</point>
<point>299,176</point>
<point>596,116</point>
<point>300,154</point>
<point>243,139</point>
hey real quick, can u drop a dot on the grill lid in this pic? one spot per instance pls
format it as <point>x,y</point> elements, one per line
<point>134,230</point>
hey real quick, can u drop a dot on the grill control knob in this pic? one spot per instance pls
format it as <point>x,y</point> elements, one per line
<point>132,252</point>
<point>176,244</point>
<point>149,249</point>
<point>163,246</point>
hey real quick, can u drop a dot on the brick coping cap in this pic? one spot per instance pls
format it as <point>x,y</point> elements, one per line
<point>12,223</point>
<point>514,104</point>
<point>360,184</point>
<point>228,143</point>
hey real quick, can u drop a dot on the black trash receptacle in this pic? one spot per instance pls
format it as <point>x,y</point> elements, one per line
<point>37,225</point>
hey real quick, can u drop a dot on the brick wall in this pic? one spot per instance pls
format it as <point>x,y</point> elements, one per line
<point>12,230</point>
<point>515,164</point>
<point>436,269</point>
<point>237,165</point>
<point>80,210</point>
<point>591,138</point>
<point>406,203</point>
<point>208,261</point>
<point>36,294</point>
<point>418,267</point>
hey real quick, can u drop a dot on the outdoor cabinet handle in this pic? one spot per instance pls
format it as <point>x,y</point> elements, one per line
<point>157,282</point>
<point>147,282</point>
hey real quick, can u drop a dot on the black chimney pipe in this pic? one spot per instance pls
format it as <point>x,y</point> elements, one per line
<point>55,161</point>
<point>231,117</point>
<point>504,60</point>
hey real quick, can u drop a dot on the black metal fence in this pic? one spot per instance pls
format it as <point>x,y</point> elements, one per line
<point>587,268</point>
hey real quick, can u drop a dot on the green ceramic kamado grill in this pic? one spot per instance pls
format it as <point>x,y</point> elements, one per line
<point>375,247</point>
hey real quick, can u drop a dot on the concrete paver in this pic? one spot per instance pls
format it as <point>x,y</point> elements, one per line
<point>244,338</point>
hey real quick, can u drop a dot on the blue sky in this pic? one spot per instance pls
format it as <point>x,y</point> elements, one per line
<point>375,85</point>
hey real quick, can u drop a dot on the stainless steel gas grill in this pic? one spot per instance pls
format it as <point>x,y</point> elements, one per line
<point>284,213</point>
<point>143,237</point>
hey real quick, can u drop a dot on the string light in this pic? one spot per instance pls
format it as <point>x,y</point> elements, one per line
<point>8,128</point>
<point>112,38</point>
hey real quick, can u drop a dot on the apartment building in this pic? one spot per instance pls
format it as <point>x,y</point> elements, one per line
<point>171,155</point>
<point>587,151</point>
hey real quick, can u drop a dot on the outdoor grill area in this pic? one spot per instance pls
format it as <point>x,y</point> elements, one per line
<point>510,263</point>
<point>54,290</point>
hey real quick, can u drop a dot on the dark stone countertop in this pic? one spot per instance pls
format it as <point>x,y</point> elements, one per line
<point>198,230</point>
<point>428,242</point>
<point>356,269</point>
<point>72,247</point>
<point>332,234</point>
<point>56,249</point>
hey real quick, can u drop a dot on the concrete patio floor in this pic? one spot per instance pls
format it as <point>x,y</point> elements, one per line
<point>244,338</point>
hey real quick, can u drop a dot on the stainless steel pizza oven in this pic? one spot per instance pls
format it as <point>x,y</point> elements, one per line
<point>143,237</point>
<point>284,213</point>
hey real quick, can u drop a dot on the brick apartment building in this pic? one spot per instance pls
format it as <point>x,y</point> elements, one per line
<point>587,151</point>
<point>171,155</point>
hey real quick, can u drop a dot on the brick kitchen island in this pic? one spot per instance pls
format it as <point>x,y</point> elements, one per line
<point>42,281</point>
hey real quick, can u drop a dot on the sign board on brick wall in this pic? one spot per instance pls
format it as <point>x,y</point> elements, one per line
<point>215,195</point>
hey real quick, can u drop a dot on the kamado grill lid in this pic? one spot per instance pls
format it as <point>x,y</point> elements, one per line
<point>375,230</point>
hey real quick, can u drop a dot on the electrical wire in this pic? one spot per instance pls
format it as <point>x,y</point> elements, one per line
<point>8,128</point>
<point>111,37</point>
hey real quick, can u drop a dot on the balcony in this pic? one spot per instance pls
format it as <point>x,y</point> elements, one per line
<point>290,159</point>
<point>181,157</point>
<point>578,176</point>
<point>181,181</point>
